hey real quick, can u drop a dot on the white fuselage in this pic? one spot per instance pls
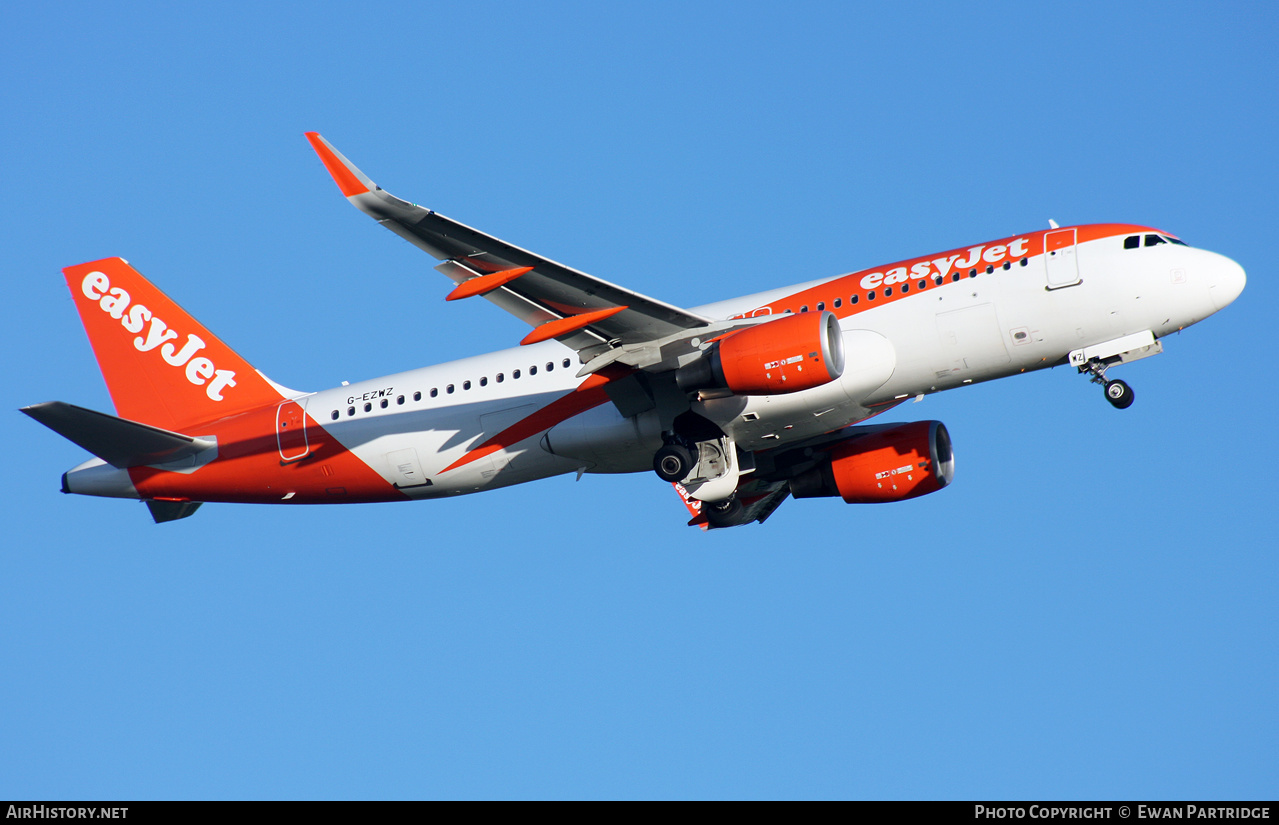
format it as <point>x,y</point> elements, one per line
<point>411,426</point>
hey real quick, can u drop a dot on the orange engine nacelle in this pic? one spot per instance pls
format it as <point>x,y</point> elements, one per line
<point>797,352</point>
<point>894,464</point>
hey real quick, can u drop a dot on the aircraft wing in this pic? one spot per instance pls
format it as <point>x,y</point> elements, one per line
<point>600,320</point>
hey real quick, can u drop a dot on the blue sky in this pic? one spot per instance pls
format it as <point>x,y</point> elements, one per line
<point>1089,611</point>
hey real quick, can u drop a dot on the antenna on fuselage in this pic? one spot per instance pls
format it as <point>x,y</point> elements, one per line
<point>1052,224</point>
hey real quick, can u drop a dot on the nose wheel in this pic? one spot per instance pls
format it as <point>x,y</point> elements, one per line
<point>1118,393</point>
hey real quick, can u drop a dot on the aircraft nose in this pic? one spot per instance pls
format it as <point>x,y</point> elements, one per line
<point>1228,280</point>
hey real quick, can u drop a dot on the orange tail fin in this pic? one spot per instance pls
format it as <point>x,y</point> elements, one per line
<point>162,367</point>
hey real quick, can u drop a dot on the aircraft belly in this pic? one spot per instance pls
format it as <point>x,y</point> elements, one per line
<point>437,454</point>
<point>765,421</point>
<point>603,441</point>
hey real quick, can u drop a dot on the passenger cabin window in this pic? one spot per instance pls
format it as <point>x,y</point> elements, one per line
<point>335,415</point>
<point>821,305</point>
<point>1154,240</point>
<point>466,385</point>
<point>532,370</point>
<point>1132,242</point>
<point>417,396</point>
<point>838,303</point>
<point>566,363</point>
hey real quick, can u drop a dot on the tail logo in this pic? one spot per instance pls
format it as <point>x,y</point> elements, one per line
<point>116,302</point>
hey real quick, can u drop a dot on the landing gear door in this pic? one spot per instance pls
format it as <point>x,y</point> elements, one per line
<point>290,430</point>
<point>1060,259</point>
<point>715,476</point>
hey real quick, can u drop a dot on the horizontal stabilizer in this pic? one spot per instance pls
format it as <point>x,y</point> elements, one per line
<point>117,441</point>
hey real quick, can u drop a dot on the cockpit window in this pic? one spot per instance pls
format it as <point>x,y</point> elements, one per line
<point>1132,242</point>
<point>1154,240</point>
<point>1171,239</point>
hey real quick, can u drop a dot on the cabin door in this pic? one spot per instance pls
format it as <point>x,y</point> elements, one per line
<point>1060,259</point>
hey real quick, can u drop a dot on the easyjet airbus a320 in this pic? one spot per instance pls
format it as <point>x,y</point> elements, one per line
<point>739,404</point>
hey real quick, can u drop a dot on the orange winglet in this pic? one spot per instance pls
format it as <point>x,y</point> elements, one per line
<point>342,176</point>
<point>565,326</point>
<point>486,283</point>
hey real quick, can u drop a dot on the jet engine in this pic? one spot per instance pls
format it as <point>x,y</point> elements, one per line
<point>793,353</point>
<point>892,464</point>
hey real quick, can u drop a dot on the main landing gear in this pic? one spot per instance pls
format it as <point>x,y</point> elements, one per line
<point>723,513</point>
<point>674,461</point>
<point>709,471</point>
<point>1118,393</point>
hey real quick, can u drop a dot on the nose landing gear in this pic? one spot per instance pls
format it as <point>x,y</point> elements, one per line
<point>1098,358</point>
<point>1118,393</point>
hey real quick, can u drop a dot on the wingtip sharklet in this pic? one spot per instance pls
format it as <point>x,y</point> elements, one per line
<point>349,179</point>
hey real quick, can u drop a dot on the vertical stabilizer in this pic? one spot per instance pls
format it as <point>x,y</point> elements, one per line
<point>162,367</point>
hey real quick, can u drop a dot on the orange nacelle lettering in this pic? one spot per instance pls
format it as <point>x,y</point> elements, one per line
<point>797,352</point>
<point>889,464</point>
<point>893,465</point>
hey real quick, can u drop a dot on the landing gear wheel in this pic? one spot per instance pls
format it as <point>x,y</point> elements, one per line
<point>673,462</point>
<point>1119,394</point>
<point>723,513</point>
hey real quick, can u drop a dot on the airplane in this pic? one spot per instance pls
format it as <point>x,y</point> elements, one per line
<point>738,404</point>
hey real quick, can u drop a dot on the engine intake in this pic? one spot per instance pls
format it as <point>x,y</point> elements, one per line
<point>893,464</point>
<point>793,353</point>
